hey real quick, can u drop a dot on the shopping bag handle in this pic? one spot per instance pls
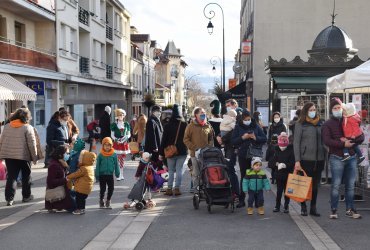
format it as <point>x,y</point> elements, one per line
<point>296,171</point>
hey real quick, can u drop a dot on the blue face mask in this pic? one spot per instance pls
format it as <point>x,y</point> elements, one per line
<point>202,117</point>
<point>312,114</point>
<point>66,157</point>
<point>247,122</point>
<point>337,113</point>
<point>228,109</point>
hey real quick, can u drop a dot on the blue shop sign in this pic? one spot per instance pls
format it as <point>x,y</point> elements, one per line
<point>37,86</point>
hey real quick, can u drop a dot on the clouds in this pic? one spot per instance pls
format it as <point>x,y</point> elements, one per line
<point>184,23</point>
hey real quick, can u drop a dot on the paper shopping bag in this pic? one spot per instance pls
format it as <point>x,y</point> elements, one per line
<point>298,187</point>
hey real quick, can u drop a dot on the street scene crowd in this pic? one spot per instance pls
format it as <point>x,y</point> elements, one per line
<point>164,146</point>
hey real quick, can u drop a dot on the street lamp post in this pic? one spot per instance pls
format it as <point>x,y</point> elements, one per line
<point>210,27</point>
<point>213,61</point>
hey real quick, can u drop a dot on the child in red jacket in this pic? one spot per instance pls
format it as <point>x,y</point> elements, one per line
<point>351,129</point>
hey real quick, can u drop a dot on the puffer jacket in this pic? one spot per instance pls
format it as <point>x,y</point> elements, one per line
<point>197,137</point>
<point>18,143</point>
<point>84,176</point>
<point>255,181</point>
<point>107,165</point>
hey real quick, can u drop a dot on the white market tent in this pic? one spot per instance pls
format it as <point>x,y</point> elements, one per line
<point>356,80</point>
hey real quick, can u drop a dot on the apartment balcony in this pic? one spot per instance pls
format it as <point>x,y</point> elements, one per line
<point>84,65</point>
<point>109,32</point>
<point>83,16</point>
<point>109,71</point>
<point>21,53</point>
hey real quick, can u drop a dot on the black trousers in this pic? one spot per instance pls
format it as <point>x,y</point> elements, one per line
<point>244,164</point>
<point>81,200</point>
<point>104,181</point>
<point>281,186</point>
<point>313,169</point>
<point>13,167</point>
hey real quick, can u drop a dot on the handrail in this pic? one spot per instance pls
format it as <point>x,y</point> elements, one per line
<point>26,46</point>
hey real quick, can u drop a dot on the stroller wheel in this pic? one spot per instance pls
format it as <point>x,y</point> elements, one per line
<point>209,209</point>
<point>139,206</point>
<point>196,201</point>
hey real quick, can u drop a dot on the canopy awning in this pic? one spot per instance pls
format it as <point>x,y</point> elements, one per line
<point>300,82</point>
<point>12,89</point>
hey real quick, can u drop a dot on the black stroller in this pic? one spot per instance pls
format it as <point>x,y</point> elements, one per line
<point>215,187</point>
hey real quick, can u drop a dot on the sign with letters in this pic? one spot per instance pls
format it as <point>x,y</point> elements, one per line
<point>37,86</point>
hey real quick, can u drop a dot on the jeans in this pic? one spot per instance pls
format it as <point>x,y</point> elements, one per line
<point>232,174</point>
<point>196,172</point>
<point>175,164</point>
<point>81,200</point>
<point>256,197</point>
<point>104,181</point>
<point>244,164</point>
<point>345,170</point>
<point>14,167</point>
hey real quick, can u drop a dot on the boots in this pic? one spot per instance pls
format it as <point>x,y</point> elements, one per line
<point>101,204</point>
<point>177,192</point>
<point>261,210</point>
<point>286,208</point>
<point>250,210</point>
<point>168,192</point>
<point>107,204</point>
<point>303,209</point>
<point>120,175</point>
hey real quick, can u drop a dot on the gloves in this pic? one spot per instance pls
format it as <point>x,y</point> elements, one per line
<point>281,166</point>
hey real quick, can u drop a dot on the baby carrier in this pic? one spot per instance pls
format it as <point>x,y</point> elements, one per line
<point>215,187</point>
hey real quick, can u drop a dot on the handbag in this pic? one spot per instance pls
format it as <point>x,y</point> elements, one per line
<point>171,150</point>
<point>55,194</point>
<point>298,187</point>
<point>254,151</point>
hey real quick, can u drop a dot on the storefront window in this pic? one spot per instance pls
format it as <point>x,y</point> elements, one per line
<point>40,110</point>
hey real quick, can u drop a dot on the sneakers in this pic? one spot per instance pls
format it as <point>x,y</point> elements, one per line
<point>276,209</point>
<point>9,203</point>
<point>78,212</point>
<point>30,198</point>
<point>107,205</point>
<point>345,157</point>
<point>101,204</point>
<point>353,214</point>
<point>250,210</point>
<point>261,210</point>
<point>168,192</point>
<point>286,209</point>
<point>177,192</point>
<point>360,159</point>
<point>333,214</point>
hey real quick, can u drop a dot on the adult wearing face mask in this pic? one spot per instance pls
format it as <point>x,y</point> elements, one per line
<point>198,134</point>
<point>246,131</point>
<point>340,170</point>
<point>277,126</point>
<point>309,152</point>
<point>153,133</point>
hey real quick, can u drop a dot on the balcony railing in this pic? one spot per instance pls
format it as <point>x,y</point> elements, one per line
<point>109,32</point>
<point>21,53</point>
<point>109,71</point>
<point>83,16</point>
<point>84,65</point>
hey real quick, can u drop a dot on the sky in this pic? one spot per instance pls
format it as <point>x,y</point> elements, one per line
<point>183,22</point>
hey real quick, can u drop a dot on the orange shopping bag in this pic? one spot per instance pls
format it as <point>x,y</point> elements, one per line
<point>298,187</point>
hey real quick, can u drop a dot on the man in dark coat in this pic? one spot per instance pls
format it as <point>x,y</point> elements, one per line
<point>104,123</point>
<point>153,133</point>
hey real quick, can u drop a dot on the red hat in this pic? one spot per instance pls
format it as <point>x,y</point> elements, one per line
<point>283,140</point>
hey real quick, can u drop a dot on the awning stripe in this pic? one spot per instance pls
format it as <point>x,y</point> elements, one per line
<point>12,89</point>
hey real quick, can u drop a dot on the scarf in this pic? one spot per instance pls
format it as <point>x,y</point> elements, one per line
<point>201,123</point>
<point>16,123</point>
<point>106,154</point>
<point>313,121</point>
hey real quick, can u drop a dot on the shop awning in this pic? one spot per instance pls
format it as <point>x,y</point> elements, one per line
<point>300,82</point>
<point>12,89</point>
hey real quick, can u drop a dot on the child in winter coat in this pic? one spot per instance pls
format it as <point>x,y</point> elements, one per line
<point>78,146</point>
<point>254,183</point>
<point>83,180</point>
<point>106,166</point>
<point>270,152</point>
<point>228,122</point>
<point>283,160</point>
<point>351,129</point>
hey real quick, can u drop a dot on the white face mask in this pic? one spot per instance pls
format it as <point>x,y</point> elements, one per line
<point>157,114</point>
<point>247,122</point>
<point>63,123</point>
<point>282,148</point>
<point>276,120</point>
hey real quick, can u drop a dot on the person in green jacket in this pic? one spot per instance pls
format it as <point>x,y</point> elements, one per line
<point>106,166</point>
<point>254,183</point>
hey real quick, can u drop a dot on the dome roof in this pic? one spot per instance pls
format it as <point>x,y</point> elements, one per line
<point>332,37</point>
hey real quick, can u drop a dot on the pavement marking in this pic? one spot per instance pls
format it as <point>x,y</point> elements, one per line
<point>127,229</point>
<point>317,237</point>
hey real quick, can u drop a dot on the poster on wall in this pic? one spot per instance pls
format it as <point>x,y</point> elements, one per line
<point>265,115</point>
<point>357,101</point>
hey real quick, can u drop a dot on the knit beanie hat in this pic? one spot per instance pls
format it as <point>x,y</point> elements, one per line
<point>107,140</point>
<point>145,156</point>
<point>256,160</point>
<point>283,140</point>
<point>334,101</point>
<point>350,108</point>
<point>108,109</point>
<point>176,111</point>
<point>79,145</point>
<point>216,107</point>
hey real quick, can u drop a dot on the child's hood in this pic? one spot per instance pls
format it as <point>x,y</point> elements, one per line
<point>79,145</point>
<point>87,158</point>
